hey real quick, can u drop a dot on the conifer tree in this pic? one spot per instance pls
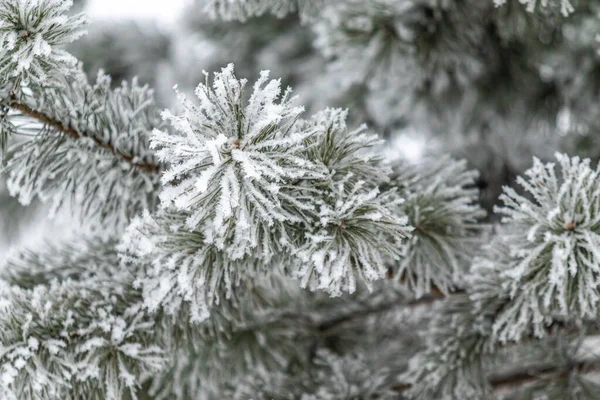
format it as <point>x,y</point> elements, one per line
<point>247,242</point>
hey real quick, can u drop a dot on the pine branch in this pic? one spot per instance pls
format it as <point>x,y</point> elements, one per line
<point>328,326</point>
<point>91,142</point>
<point>538,373</point>
<point>69,131</point>
<point>514,379</point>
<point>244,10</point>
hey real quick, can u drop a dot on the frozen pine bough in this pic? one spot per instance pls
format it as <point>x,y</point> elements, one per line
<point>237,246</point>
<point>30,34</point>
<point>243,9</point>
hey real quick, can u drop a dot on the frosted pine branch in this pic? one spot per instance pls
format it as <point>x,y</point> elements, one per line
<point>47,121</point>
<point>441,203</point>
<point>261,188</point>
<point>90,144</point>
<point>242,10</point>
<point>30,31</point>
<point>471,332</point>
<point>241,166</point>
<point>71,326</point>
<point>357,235</point>
<point>84,134</point>
<point>552,243</point>
<point>565,6</point>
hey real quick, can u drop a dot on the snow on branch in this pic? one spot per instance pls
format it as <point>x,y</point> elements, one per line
<point>259,189</point>
<point>241,167</point>
<point>242,10</point>
<point>30,31</point>
<point>71,326</point>
<point>552,238</point>
<point>441,203</point>
<point>565,6</point>
<point>90,148</point>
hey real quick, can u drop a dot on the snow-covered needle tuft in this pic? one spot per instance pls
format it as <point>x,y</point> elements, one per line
<point>441,203</point>
<point>242,10</point>
<point>565,6</point>
<point>357,234</point>
<point>237,162</point>
<point>345,151</point>
<point>179,266</point>
<point>403,45</point>
<point>253,189</point>
<point>71,327</point>
<point>553,241</point>
<point>30,31</point>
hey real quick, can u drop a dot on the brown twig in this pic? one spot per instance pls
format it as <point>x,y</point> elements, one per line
<point>527,375</point>
<point>538,373</point>
<point>69,131</point>
<point>327,326</point>
<point>522,376</point>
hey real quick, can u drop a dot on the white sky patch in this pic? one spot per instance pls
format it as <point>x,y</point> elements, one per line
<point>164,11</point>
<point>408,145</point>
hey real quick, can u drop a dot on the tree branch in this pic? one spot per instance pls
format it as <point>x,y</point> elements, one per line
<point>327,326</point>
<point>69,131</point>
<point>512,380</point>
<point>538,373</point>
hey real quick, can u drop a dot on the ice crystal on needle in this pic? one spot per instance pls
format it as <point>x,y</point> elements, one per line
<point>242,10</point>
<point>554,242</point>
<point>180,266</point>
<point>565,6</point>
<point>239,165</point>
<point>30,30</point>
<point>356,235</point>
<point>441,203</point>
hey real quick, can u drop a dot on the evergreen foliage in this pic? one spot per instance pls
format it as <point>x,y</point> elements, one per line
<point>441,203</point>
<point>92,148</point>
<point>29,34</point>
<point>242,245</point>
<point>243,9</point>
